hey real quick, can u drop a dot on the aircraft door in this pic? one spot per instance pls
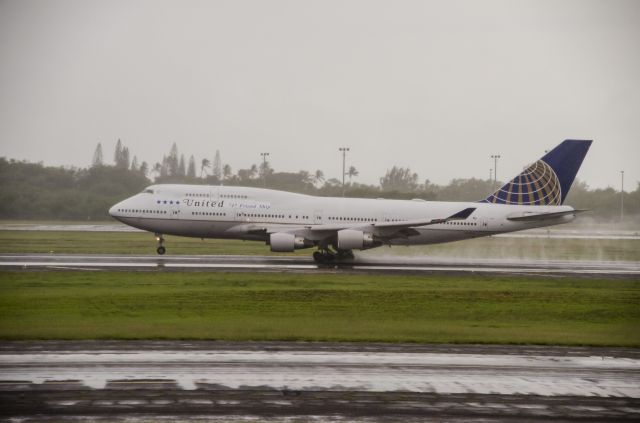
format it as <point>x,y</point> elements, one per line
<point>175,209</point>
<point>385,217</point>
<point>317,217</point>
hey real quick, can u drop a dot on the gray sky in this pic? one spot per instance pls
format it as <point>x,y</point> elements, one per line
<point>438,86</point>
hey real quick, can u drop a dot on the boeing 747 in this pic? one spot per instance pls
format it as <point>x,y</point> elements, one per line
<point>336,226</point>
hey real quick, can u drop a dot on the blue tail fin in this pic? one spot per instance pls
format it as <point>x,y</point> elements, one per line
<point>547,181</point>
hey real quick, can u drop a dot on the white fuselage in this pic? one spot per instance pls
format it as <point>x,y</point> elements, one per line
<point>238,212</point>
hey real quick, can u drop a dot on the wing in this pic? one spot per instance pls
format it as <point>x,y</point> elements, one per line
<point>461,215</point>
<point>390,230</point>
<point>381,230</point>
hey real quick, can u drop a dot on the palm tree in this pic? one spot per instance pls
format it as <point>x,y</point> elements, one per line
<point>318,177</point>
<point>399,179</point>
<point>205,165</point>
<point>253,171</point>
<point>157,169</point>
<point>226,171</point>
<point>305,177</point>
<point>351,173</point>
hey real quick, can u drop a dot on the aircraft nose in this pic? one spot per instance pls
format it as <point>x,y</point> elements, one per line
<point>113,211</point>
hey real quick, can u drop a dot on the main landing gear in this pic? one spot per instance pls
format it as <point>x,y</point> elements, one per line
<point>160,250</point>
<point>326,256</point>
<point>323,256</point>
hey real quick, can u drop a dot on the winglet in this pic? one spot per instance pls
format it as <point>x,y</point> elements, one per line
<point>462,214</point>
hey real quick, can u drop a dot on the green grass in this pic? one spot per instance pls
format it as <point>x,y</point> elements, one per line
<point>144,243</point>
<point>69,242</point>
<point>321,307</point>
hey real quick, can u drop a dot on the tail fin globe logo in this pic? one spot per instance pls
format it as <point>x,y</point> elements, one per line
<point>538,185</point>
<point>547,181</point>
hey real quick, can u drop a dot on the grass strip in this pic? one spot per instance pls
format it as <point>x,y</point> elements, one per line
<point>70,242</point>
<point>318,307</point>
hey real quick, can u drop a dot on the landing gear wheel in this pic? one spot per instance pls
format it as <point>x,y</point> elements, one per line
<point>160,250</point>
<point>345,255</point>
<point>323,256</point>
<point>318,257</point>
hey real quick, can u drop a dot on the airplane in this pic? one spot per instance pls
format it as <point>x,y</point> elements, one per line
<point>336,226</point>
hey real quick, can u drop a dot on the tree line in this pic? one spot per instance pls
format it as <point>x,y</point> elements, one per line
<point>35,191</point>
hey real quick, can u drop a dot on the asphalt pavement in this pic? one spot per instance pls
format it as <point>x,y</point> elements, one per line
<point>272,381</point>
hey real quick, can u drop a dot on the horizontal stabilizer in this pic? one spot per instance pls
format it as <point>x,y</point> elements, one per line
<point>533,217</point>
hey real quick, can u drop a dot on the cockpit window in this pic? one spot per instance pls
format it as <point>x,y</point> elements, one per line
<point>147,191</point>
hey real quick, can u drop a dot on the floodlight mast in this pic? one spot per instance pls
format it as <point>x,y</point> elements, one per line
<point>621,195</point>
<point>264,168</point>
<point>495,158</point>
<point>344,153</point>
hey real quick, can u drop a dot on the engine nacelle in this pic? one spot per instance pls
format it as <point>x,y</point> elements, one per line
<point>350,239</point>
<point>285,243</point>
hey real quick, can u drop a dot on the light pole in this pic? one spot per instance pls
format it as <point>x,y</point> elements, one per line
<point>490,174</point>
<point>344,153</point>
<point>621,195</point>
<point>264,168</point>
<point>495,158</point>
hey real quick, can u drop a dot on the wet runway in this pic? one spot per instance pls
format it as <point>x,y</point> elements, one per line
<point>335,381</point>
<point>304,264</point>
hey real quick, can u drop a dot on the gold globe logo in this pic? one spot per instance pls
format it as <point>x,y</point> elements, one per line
<point>537,185</point>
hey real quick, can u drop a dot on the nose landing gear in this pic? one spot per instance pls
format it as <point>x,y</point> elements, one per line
<point>160,250</point>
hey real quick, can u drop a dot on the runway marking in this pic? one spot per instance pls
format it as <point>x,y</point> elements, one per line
<point>91,266</point>
<point>290,263</point>
<point>89,269</point>
<point>72,264</point>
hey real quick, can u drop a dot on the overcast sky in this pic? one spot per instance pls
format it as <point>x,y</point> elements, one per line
<point>438,86</point>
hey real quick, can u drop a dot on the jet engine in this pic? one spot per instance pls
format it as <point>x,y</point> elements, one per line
<point>285,243</point>
<point>350,239</point>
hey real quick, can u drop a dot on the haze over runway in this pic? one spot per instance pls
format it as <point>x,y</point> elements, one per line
<point>437,86</point>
